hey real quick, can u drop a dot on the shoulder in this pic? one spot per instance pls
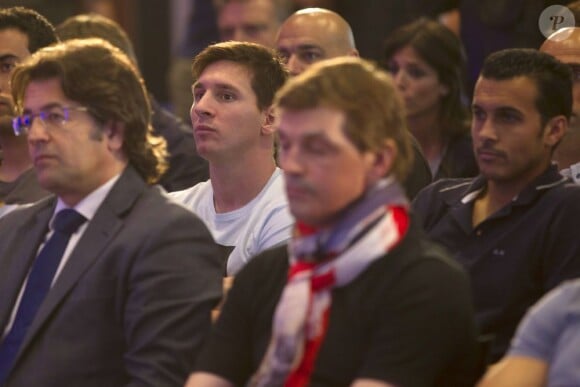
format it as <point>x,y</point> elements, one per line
<point>567,191</point>
<point>19,214</point>
<point>417,263</point>
<point>449,188</point>
<point>417,250</point>
<point>564,298</point>
<point>271,205</point>
<point>164,205</point>
<point>554,316</point>
<point>439,195</point>
<point>274,193</point>
<point>25,189</point>
<point>562,201</point>
<point>192,195</point>
<point>155,218</point>
<point>261,280</point>
<point>268,265</point>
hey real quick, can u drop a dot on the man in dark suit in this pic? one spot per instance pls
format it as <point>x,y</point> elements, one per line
<point>130,298</point>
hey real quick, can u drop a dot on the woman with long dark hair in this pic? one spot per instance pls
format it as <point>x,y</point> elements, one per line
<point>427,63</point>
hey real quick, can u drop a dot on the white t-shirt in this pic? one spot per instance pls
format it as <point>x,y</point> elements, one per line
<point>262,223</point>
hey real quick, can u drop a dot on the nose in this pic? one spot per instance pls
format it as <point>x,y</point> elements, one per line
<point>294,65</point>
<point>239,35</point>
<point>201,107</point>
<point>288,160</point>
<point>4,83</point>
<point>400,79</point>
<point>37,131</point>
<point>485,130</point>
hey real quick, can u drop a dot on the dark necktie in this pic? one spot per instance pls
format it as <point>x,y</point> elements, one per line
<point>65,223</point>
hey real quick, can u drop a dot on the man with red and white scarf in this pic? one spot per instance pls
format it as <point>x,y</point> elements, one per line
<point>359,296</point>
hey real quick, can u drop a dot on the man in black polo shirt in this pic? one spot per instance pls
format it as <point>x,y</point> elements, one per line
<point>358,297</point>
<point>514,228</point>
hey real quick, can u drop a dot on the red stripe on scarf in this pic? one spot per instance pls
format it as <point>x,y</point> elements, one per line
<point>323,281</point>
<point>305,229</point>
<point>299,267</point>
<point>401,217</point>
<point>301,375</point>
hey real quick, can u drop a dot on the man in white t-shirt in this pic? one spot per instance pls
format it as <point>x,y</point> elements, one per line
<point>243,204</point>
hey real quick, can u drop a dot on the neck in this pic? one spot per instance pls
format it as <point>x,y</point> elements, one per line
<point>426,128</point>
<point>88,184</point>
<point>500,193</point>
<point>15,157</point>
<point>490,201</point>
<point>237,181</point>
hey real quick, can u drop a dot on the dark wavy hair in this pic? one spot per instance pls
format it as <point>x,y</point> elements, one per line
<point>443,51</point>
<point>99,76</point>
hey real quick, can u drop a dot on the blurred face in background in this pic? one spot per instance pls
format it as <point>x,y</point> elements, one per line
<point>13,49</point>
<point>309,37</point>
<point>565,46</point>
<point>253,21</point>
<point>417,82</point>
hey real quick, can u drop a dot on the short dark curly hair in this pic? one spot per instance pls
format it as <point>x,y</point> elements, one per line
<point>40,32</point>
<point>553,79</point>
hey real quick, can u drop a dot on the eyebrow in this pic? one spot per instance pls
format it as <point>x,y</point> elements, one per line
<point>305,47</point>
<point>7,57</point>
<point>508,109</point>
<point>45,107</point>
<point>301,47</point>
<point>501,108</point>
<point>219,86</point>
<point>315,134</point>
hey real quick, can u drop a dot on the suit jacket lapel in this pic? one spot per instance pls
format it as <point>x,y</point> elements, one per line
<point>100,231</point>
<point>19,257</point>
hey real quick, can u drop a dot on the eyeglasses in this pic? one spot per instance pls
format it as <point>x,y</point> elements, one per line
<point>52,117</point>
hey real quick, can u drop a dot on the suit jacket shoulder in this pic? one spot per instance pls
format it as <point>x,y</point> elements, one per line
<point>144,277</point>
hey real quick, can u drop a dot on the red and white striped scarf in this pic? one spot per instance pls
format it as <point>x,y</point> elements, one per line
<point>319,261</point>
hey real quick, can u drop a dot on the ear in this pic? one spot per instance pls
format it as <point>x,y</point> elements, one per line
<point>554,130</point>
<point>115,135</point>
<point>268,127</point>
<point>381,161</point>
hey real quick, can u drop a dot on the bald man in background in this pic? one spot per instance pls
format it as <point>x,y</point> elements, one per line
<point>564,45</point>
<point>314,34</point>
